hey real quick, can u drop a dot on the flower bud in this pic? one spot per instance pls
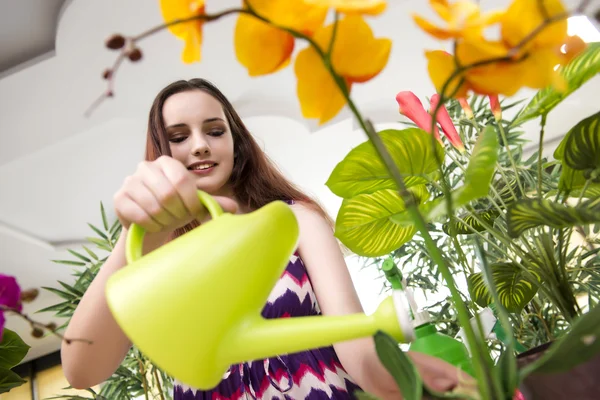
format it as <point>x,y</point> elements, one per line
<point>495,106</point>
<point>464,104</point>
<point>37,333</point>
<point>51,326</point>
<point>27,296</point>
<point>134,54</point>
<point>115,42</point>
<point>107,74</point>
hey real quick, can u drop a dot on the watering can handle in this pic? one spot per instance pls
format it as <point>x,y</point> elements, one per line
<point>135,236</point>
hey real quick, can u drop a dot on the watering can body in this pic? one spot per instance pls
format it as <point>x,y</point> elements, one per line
<point>194,305</point>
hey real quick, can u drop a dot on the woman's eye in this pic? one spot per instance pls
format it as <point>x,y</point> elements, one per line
<point>177,139</point>
<point>216,133</point>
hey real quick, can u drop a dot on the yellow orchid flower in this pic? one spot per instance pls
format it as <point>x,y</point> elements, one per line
<point>368,7</point>
<point>463,18</point>
<point>189,32</point>
<point>264,49</point>
<point>357,56</point>
<point>533,66</point>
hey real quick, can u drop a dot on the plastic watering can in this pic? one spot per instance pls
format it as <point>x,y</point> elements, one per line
<point>193,306</point>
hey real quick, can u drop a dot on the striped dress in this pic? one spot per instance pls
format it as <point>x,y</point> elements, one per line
<point>313,374</point>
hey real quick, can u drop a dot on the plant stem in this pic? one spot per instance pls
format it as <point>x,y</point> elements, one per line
<point>510,157</point>
<point>36,324</point>
<point>159,386</point>
<point>540,149</point>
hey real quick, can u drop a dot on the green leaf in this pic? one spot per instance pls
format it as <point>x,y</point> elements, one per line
<point>365,226</point>
<point>515,286</point>
<point>478,175</point>
<point>582,145</point>
<point>69,262</point>
<point>60,293</point>
<point>71,289</point>
<point>9,380</point>
<point>98,231</point>
<point>576,73</point>
<point>507,370</point>
<point>471,223</point>
<point>581,344</point>
<point>57,307</point>
<point>399,366</point>
<point>91,253</point>
<point>362,170</point>
<point>12,349</point>
<point>530,213</point>
<point>104,220</point>
<point>80,256</point>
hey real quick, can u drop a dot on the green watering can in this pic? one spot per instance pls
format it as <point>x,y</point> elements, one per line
<point>193,306</point>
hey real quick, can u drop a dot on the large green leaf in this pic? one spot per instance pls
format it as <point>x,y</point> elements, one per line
<point>530,213</point>
<point>515,287</point>
<point>365,226</point>
<point>581,344</point>
<point>576,73</point>
<point>12,349</point>
<point>9,380</point>
<point>471,223</point>
<point>362,170</point>
<point>582,145</point>
<point>399,366</point>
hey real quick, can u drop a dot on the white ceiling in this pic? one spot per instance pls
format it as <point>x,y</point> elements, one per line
<point>56,165</point>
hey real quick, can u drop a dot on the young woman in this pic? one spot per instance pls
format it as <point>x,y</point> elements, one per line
<point>196,140</point>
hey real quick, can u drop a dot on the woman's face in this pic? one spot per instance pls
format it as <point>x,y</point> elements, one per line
<point>200,138</point>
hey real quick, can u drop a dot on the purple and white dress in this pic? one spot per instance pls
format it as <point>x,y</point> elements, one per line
<point>313,374</point>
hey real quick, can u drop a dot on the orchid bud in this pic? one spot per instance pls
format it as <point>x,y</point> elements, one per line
<point>115,42</point>
<point>134,55</point>
<point>27,296</point>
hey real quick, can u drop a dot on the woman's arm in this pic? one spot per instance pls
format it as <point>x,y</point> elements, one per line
<point>336,295</point>
<point>86,365</point>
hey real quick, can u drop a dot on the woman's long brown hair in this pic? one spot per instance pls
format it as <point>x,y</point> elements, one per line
<point>255,179</point>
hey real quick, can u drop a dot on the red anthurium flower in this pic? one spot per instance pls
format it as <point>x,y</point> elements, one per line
<point>446,123</point>
<point>466,107</point>
<point>412,108</point>
<point>495,106</point>
<point>10,296</point>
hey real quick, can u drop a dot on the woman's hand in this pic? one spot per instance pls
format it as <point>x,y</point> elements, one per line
<point>441,376</point>
<point>161,196</point>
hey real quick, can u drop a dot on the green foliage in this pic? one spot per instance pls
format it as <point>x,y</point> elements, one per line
<point>136,375</point>
<point>582,68</point>
<point>399,366</point>
<point>516,286</point>
<point>12,350</point>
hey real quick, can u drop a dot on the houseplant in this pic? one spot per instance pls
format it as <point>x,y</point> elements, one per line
<point>532,33</point>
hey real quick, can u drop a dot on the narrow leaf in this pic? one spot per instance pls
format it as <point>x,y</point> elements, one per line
<point>399,366</point>
<point>91,253</point>
<point>104,220</point>
<point>70,262</point>
<point>471,223</point>
<point>98,231</point>
<point>80,256</point>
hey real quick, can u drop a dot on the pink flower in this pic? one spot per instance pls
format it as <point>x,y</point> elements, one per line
<point>412,108</point>
<point>518,395</point>
<point>466,107</point>
<point>495,106</point>
<point>446,123</point>
<point>10,296</point>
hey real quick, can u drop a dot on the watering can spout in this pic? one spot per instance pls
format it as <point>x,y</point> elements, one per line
<point>259,338</point>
